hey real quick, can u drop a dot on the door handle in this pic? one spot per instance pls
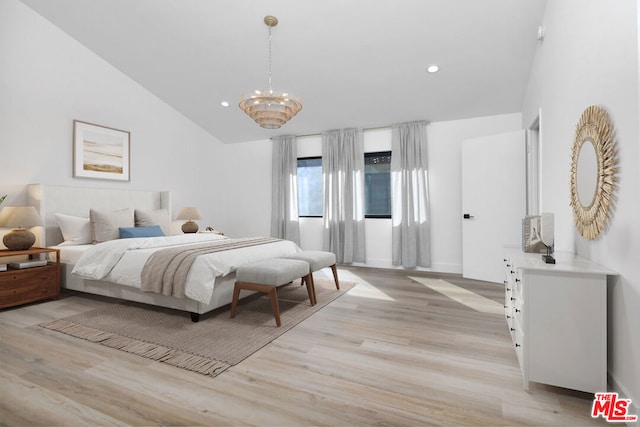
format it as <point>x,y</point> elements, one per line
<point>467,216</point>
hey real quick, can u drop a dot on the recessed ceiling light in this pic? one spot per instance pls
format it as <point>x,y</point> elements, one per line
<point>433,69</point>
<point>224,103</point>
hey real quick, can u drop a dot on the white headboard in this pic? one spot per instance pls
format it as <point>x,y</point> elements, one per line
<point>51,199</point>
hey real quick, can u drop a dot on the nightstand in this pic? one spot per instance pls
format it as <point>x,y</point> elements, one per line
<point>20,286</point>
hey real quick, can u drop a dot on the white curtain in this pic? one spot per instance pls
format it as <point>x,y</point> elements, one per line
<point>410,195</point>
<point>343,194</point>
<point>284,189</point>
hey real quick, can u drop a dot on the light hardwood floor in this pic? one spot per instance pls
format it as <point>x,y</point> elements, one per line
<point>391,352</point>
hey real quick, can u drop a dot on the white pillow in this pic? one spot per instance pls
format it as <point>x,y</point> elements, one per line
<point>158,217</point>
<point>75,230</point>
<point>105,225</point>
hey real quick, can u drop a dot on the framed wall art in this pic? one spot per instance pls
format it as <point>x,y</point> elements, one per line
<point>100,152</point>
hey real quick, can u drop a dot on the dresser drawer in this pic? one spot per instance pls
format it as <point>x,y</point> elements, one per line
<point>517,311</point>
<point>517,284</point>
<point>517,336</point>
<point>28,285</point>
<point>508,315</point>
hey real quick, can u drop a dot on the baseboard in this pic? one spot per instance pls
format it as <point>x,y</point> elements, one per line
<point>623,392</point>
<point>435,267</point>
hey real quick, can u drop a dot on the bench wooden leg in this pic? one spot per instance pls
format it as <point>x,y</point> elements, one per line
<point>334,270</point>
<point>311,289</point>
<point>267,289</point>
<point>234,301</point>
<point>273,295</point>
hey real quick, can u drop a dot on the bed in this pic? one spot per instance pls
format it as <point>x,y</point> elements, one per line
<point>53,202</point>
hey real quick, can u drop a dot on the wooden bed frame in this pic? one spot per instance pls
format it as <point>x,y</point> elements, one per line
<point>77,201</point>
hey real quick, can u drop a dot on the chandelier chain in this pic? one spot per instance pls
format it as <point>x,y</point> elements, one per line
<point>269,57</point>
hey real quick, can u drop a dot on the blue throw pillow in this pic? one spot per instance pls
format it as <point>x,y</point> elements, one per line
<point>147,231</point>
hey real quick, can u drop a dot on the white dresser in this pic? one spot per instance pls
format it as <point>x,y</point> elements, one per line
<point>557,316</point>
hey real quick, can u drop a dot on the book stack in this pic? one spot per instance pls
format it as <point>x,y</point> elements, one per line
<point>28,264</point>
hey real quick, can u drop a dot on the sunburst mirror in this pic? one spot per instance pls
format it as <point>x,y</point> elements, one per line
<point>593,168</point>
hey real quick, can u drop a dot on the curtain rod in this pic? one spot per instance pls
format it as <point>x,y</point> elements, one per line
<point>304,135</point>
<point>364,129</point>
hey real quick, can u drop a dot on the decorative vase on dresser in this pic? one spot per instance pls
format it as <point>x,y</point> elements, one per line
<point>557,317</point>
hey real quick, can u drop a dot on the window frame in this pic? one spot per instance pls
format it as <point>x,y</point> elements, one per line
<point>385,153</point>
<point>307,158</point>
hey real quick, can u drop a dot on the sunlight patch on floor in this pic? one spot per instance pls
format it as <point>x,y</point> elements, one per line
<point>462,295</point>
<point>364,289</point>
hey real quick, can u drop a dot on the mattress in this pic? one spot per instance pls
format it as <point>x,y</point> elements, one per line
<point>69,254</point>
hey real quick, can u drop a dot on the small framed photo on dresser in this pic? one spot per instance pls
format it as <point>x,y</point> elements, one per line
<point>531,239</point>
<point>100,152</point>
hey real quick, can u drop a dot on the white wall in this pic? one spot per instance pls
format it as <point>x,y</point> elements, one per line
<point>245,173</point>
<point>445,179</point>
<point>47,79</point>
<point>589,56</point>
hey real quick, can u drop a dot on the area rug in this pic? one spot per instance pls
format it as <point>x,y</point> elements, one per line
<point>209,346</point>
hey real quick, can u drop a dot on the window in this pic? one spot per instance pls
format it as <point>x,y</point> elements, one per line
<point>310,187</point>
<point>377,185</point>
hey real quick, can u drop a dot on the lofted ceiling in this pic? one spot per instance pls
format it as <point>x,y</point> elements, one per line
<point>354,63</point>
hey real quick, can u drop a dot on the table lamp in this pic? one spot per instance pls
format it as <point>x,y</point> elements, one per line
<point>22,217</point>
<point>189,214</point>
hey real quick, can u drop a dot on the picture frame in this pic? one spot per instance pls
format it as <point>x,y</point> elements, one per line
<point>100,152</point>
<point>531,239</point>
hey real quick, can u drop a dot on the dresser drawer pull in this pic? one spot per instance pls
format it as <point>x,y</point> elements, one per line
<point>513,299</point>
<point>517,310</point>
<point>517,280</point>
<point>512,329</point>
<point>512,272</point>
<point>518,345</point>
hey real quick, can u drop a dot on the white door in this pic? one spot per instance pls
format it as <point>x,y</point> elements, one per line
<point>493,202</point>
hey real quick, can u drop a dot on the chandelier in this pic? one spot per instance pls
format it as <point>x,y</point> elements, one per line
<point>270,108</point>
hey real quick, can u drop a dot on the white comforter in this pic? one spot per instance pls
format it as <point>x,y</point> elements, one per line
<point>121,261</point>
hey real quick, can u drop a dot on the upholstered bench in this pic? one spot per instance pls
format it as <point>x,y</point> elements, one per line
<point>265,276</point>
<point>318,260</point>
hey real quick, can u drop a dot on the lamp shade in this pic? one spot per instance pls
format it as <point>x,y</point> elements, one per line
<point>19,216</point>
<point>189,213</point>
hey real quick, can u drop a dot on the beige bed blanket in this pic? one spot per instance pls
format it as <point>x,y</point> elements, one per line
<point>166,270</point>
